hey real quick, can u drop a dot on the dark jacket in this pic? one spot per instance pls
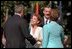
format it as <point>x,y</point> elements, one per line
<point>16,31</point>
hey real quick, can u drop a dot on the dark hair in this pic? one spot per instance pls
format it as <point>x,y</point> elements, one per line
<point>38,17</point>
<point>46,7</point>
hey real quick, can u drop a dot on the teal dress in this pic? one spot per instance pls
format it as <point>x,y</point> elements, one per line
<point>53,35</point>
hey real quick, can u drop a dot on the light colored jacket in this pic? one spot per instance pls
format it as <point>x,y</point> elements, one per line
<point>53,35</point>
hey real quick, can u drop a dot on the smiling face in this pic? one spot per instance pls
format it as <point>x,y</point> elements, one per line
<point>47,12</point>
<point>34,20</point>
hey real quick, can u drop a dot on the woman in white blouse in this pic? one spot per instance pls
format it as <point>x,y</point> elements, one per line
<point>36,30</point>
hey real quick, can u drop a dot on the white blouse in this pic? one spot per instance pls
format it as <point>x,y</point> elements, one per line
<point>37,34</point>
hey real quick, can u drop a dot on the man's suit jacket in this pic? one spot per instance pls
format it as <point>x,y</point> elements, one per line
<point>16,30</point>
<point>43,22</point>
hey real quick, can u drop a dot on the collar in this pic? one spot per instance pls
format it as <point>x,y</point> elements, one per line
<point>47,21</point>
<point>18,14</point>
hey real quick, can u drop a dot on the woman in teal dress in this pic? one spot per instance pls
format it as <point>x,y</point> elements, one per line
<point>53,34</point>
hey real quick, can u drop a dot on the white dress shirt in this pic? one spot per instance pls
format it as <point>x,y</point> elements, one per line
<point>45,20</point>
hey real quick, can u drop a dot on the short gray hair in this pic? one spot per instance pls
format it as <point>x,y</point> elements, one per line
<point>19,8</point>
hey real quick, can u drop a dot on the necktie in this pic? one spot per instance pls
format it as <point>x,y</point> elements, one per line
<point>46,21</point>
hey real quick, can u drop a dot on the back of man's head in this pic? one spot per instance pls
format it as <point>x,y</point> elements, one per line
<point>19,8</point>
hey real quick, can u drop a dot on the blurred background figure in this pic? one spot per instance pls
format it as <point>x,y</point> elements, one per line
<point>65,41</point>
<point>1,33</point>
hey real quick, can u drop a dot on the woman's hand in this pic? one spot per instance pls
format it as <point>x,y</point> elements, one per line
<point>3,40</point>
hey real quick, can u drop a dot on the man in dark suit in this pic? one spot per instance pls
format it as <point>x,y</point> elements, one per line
<point>46,17</point>
<point>16,30</point>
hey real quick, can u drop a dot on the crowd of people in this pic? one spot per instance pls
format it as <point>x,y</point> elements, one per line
<point>41,32</point>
